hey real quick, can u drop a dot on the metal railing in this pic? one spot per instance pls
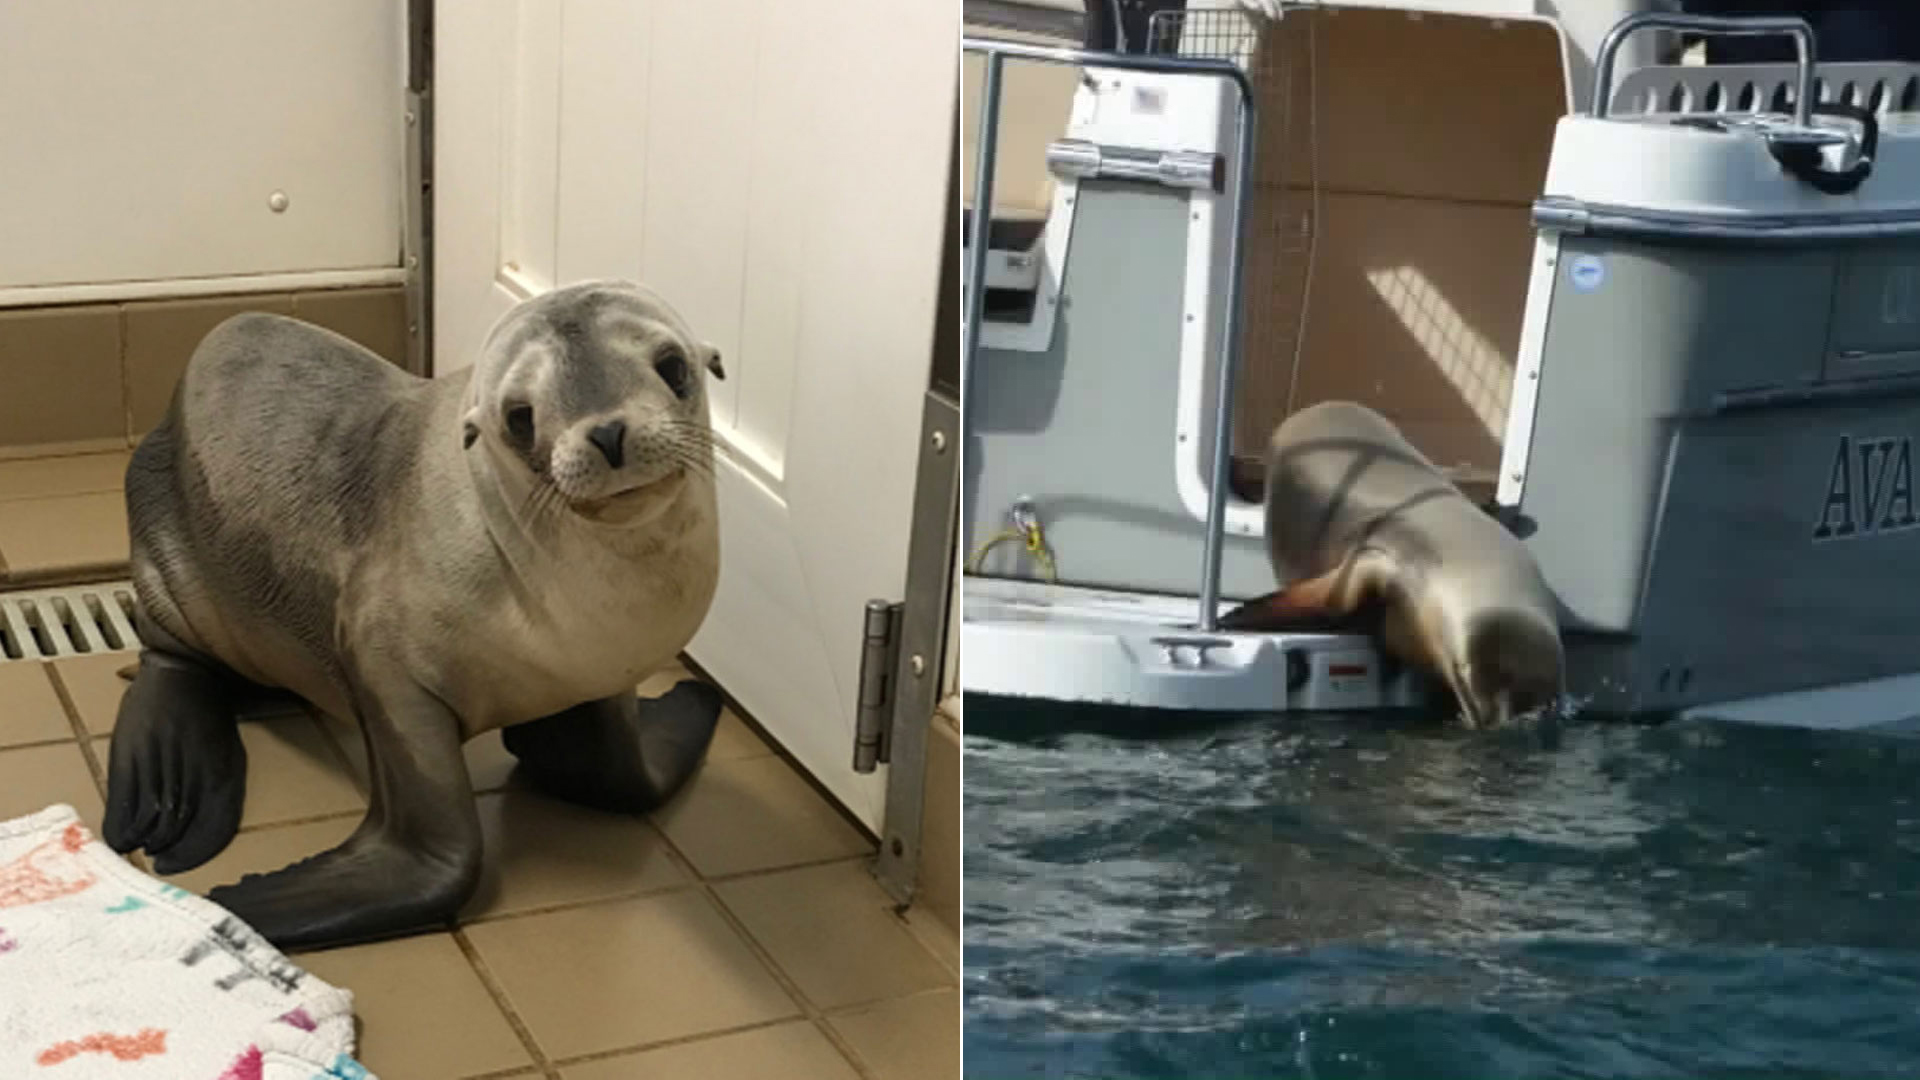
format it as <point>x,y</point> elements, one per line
<point>995,53</point>
<point>1796,28</point>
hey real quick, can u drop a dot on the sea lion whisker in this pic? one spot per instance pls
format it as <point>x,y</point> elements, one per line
<point>692,461</point>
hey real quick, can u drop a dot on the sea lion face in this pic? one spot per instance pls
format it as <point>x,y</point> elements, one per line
<point>598,392</point>
<point>1509,666</point>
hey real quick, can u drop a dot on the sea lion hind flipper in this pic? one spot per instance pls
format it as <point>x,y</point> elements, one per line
<point>624,754</point>
<point>176,769</point>
<point>414,860</point>
<point>1305,606</point>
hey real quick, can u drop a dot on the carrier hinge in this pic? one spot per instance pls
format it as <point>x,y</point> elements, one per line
<point>879,657</point>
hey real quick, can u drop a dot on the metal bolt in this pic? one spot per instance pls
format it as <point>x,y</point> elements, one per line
<point>413,328</point>
<point>413,262</point>
<point>410,118</point>
<point>939,442</point>
<point>277,202</point>
<point>917,664</point>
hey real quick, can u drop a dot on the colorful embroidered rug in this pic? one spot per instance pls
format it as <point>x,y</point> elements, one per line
<point>107,973</point>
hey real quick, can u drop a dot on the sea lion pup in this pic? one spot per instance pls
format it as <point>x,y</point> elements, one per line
<point>510,546</point>
<point>1365,530</point>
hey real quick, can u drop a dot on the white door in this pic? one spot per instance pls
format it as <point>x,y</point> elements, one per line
<point>779,172</point>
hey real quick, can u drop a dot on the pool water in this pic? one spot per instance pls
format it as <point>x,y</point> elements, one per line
<point>1400,899</point>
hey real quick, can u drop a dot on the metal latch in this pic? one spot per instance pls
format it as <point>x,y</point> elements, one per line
<point>1078,159</point>
<point>879,659</point>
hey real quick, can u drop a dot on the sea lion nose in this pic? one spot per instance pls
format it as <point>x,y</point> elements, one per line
<point>611,438</point>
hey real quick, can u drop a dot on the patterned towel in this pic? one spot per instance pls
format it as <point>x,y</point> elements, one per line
<point>105,972</point>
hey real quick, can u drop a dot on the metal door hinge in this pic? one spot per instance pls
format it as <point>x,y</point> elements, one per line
<point>879,657</point>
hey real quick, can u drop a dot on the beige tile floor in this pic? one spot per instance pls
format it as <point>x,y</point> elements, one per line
<point>734,934</point>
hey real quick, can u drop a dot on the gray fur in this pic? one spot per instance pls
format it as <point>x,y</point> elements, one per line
<point>308,517</point>
<point>1353,507</point>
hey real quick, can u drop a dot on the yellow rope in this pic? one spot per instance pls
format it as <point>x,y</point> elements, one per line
<point>1036,544</point>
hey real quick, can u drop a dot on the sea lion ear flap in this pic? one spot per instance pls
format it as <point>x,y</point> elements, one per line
<point>714,367</point>
<point>470,428</point>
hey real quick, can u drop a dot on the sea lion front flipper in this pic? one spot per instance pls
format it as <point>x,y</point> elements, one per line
<point>1305,606</point>
<point>414,860</point>
<point>624,754</point>
<point>176,769</point>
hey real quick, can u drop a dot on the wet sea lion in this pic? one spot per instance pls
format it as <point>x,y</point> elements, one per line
<point>512,546</point>
<point>1364,529</point>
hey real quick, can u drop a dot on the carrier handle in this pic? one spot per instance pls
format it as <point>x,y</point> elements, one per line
<point>1798,29</point>
<point>1803,159</point>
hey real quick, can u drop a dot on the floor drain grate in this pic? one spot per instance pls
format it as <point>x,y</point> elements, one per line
<point>47,624</point>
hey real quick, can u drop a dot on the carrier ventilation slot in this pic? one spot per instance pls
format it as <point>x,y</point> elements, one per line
<point>1747,88</point>
<point>82,620</point>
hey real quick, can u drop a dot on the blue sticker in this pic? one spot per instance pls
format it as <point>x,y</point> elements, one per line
<point>1587,272</point>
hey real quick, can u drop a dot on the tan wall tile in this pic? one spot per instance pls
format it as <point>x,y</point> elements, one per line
<point>376,318</point>
<point>60,376</point>
<point>162,334</point>
<point>59,538</point>
<point>77,474</point>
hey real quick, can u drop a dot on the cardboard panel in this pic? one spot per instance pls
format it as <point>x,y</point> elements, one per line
<point>1425,182</point>
<point>1415,311</point>
<point>1383,99</point>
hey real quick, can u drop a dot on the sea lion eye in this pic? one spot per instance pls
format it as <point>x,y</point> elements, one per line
<point>673,370</point>
<point>520,423</point>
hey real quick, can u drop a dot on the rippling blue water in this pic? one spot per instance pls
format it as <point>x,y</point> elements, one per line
<point>1396,899</point>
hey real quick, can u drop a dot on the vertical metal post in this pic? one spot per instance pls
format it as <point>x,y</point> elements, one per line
<point>920,641</point>
<point>982,226</point>
<point>1217,487</point>
<point>417,241</point>
<point>1245,128</point>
